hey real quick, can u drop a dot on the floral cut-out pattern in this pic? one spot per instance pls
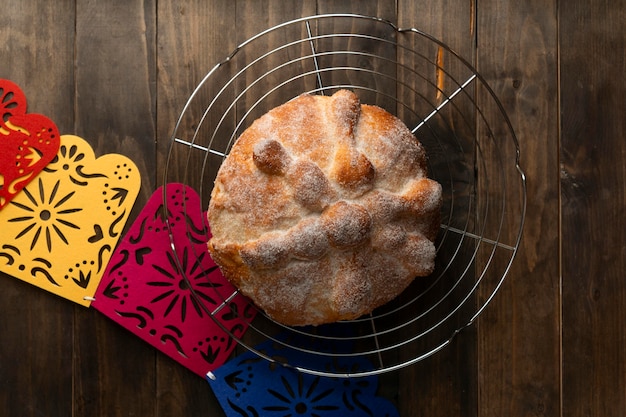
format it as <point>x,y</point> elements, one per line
<point>59,232</point>
<point>251,386</point>
<point>166,296</point>
<point>28,142</point>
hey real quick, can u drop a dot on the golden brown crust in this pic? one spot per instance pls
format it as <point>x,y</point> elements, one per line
<point>322,211</point>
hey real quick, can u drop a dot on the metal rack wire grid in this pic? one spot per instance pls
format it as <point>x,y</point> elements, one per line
<point>472,151</point>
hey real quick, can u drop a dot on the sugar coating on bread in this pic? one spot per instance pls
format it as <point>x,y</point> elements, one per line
<point>323,210</point>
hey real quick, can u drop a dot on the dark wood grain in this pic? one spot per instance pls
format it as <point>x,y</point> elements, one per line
<point>519,371</point>
<point>194,36</point>
<point>593,197</point>
<point>37,329</point>
<point>250,22</point>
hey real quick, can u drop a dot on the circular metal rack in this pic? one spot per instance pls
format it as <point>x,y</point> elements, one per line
<point>472,151</point>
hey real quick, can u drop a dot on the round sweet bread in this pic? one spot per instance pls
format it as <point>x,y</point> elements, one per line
<point>322,210</point>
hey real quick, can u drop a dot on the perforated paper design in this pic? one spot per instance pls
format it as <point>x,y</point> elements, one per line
<point>165,296</point>
<point>251,386</point>
<point>28,142</point>
<point>59,232</point>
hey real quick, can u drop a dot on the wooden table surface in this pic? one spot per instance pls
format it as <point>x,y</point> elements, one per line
<point>552,342</point>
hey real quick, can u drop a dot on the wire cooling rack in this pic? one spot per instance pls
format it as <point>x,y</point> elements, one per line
<point>472,151</point>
